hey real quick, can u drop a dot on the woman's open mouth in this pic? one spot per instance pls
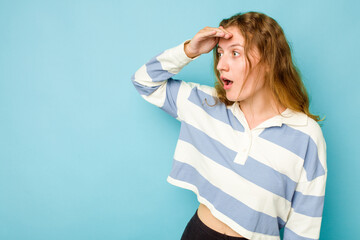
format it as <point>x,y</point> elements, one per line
<point>227,83</point>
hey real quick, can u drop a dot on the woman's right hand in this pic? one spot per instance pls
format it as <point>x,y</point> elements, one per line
<point>205,40</point>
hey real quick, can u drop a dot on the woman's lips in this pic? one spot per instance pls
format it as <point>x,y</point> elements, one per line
<point>227,83</point>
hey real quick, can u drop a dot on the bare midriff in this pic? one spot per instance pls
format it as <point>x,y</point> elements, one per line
<point>209,220</point>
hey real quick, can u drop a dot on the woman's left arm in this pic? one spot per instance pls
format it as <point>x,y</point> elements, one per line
<point>304,220</point>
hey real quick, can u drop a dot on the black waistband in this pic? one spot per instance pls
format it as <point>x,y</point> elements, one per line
<point>211,231</point>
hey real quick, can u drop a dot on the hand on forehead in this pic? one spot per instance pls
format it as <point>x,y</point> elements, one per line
<point>236,39</point>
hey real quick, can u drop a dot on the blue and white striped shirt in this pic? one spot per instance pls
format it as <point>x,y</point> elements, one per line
<point>256,181</point>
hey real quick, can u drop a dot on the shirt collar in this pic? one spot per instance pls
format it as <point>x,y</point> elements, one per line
<point>291,117</point>
<point>288,117</point>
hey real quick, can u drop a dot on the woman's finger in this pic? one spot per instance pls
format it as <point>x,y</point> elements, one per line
<point>229,34</point>
<point>221,32</point>
<point>215,32</point>
<point>208,33</point>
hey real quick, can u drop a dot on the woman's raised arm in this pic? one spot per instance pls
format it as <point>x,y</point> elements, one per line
<point>154,79</point>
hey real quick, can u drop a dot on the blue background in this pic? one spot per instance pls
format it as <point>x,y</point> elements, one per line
<point>83,156</point>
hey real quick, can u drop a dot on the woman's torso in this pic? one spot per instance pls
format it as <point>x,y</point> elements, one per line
<point>209,220</point>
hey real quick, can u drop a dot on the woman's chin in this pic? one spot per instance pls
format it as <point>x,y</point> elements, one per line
<point>231,98</point>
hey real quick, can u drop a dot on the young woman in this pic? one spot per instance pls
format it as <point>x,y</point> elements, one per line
<point>248,148</point>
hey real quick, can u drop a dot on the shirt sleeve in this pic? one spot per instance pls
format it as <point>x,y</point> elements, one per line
<point>304,220</point>
<point>154,80</point>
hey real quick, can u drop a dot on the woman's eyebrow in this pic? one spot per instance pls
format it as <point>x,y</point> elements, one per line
<point>233,45</point>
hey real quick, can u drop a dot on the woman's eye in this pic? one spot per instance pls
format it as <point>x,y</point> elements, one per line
<point>236,54</point>
<point>220,54</point>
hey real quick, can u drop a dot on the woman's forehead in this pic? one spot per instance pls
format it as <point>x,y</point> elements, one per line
<point>237,40</point>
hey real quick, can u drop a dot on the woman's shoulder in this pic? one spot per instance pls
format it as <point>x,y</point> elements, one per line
<point>310,127</point>
<point>192,91</point>
<point>205,89</point>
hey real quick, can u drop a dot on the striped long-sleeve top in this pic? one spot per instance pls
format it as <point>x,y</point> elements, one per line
<point>256,181</point>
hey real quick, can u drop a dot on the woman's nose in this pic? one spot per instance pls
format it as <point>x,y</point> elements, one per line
<point>222,65</point>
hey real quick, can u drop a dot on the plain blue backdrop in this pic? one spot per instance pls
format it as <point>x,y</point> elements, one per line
<point>83,156</point>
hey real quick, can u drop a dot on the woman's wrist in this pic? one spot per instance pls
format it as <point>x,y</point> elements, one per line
<point>188,51</point>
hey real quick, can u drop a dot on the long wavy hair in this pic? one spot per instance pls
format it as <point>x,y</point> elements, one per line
<point>282,77</point>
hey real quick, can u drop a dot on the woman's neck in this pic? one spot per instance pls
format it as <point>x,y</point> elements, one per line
<point>257,111</point>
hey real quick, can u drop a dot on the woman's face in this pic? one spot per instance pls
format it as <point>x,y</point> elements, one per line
<point>233,69</point>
